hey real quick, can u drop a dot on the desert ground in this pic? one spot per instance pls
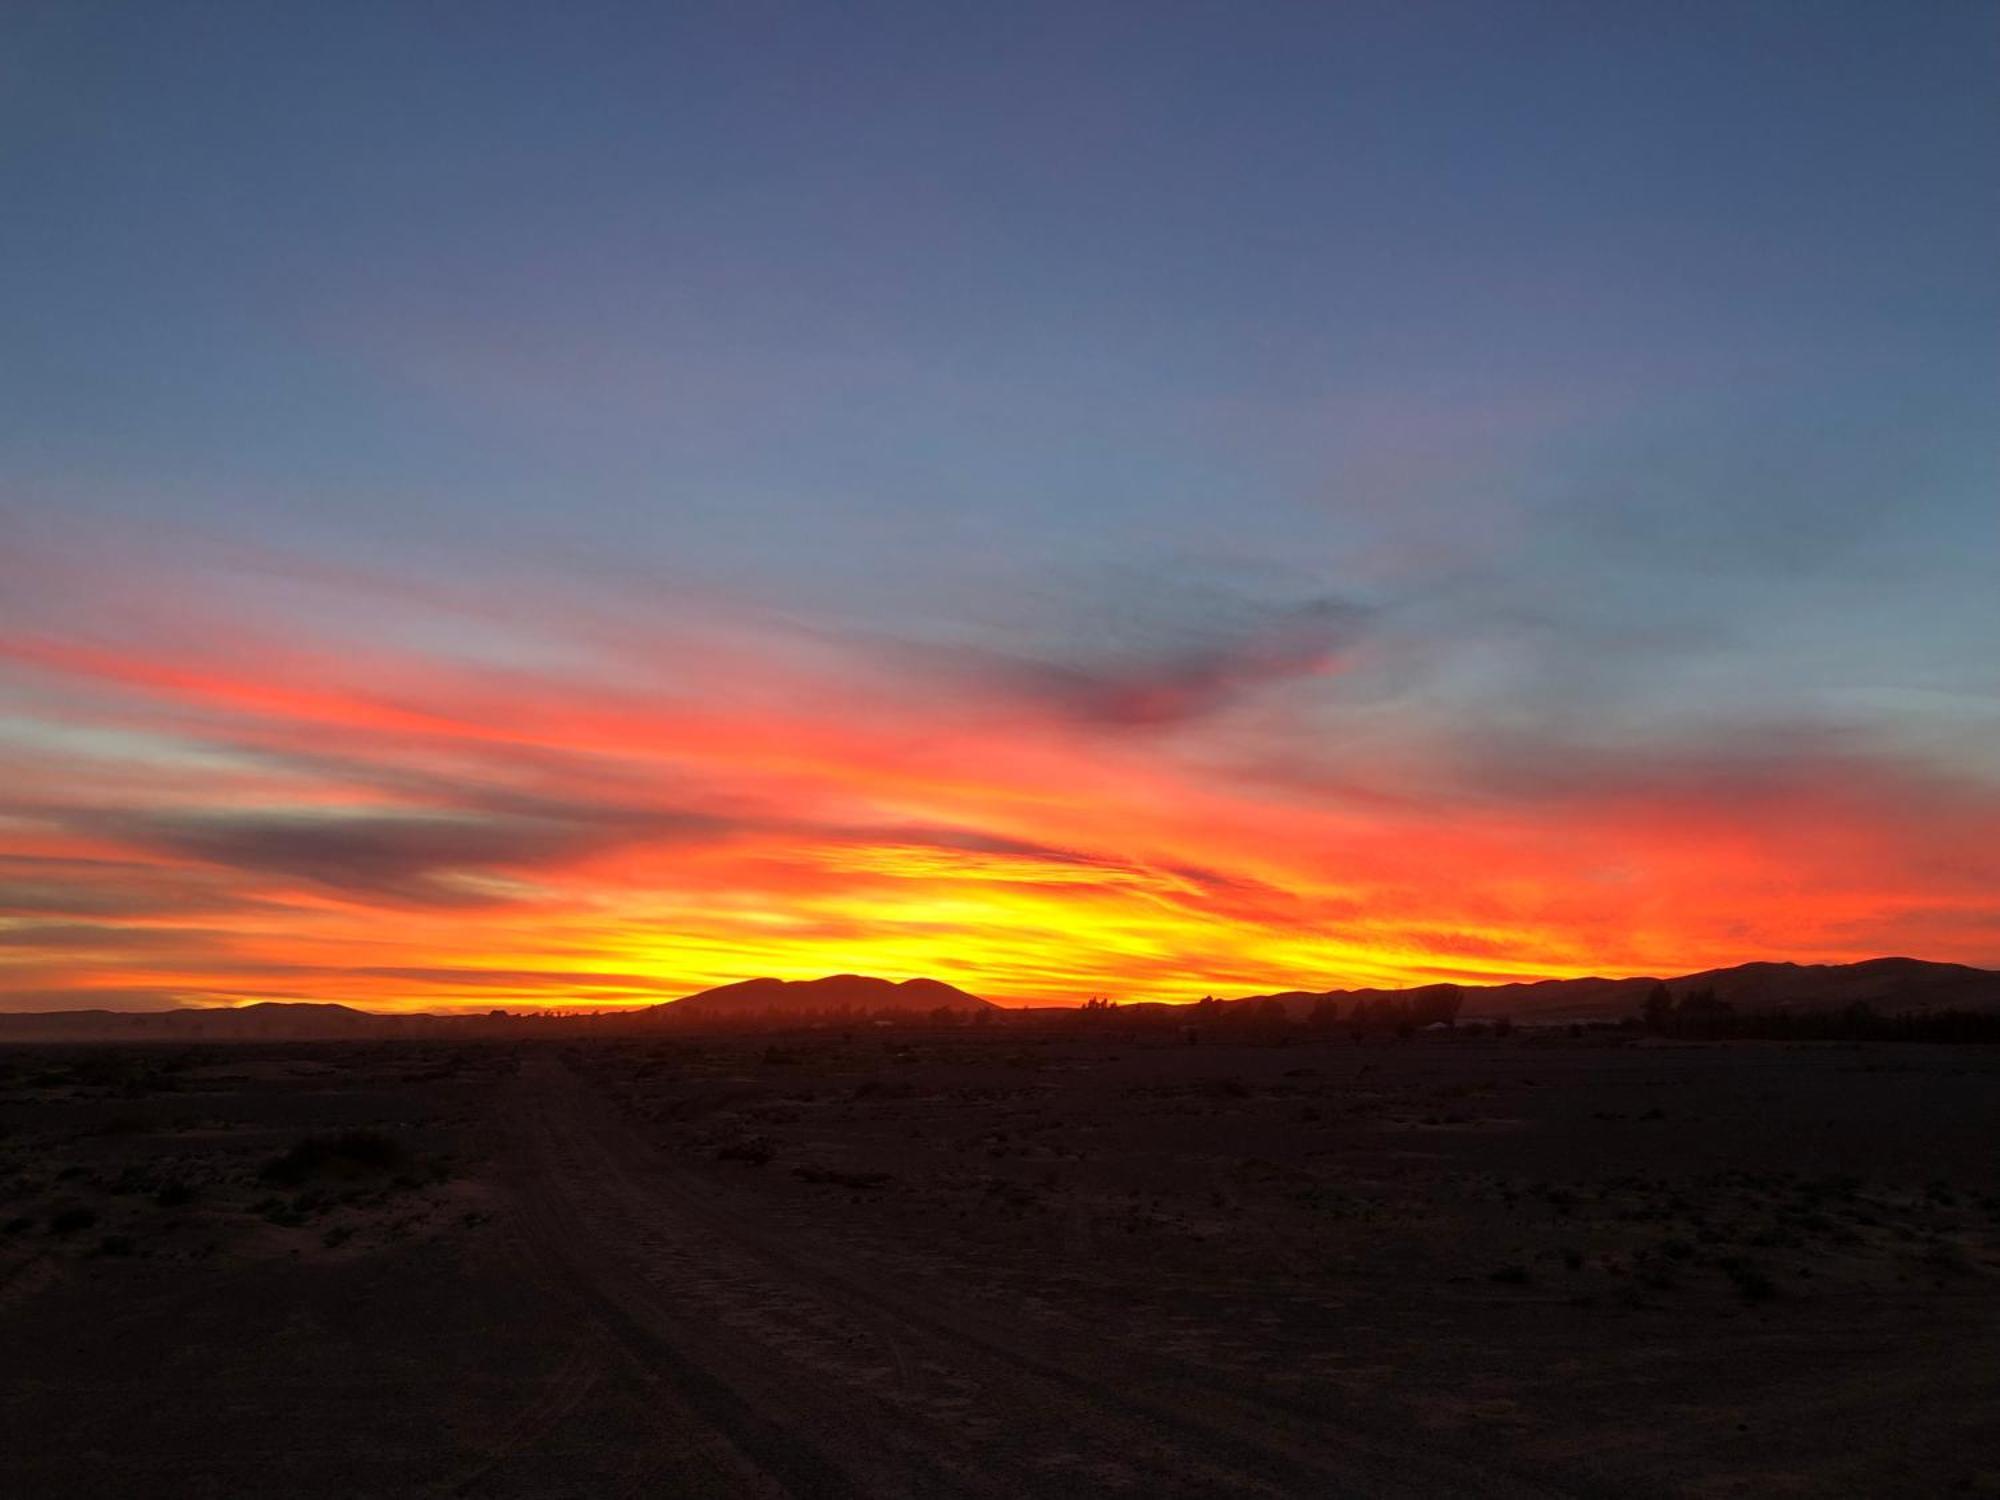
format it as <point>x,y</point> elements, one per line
<point>997,1262</point>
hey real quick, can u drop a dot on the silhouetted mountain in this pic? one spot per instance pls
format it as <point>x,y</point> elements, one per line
<point>753,1000</point>
<point>1891,986</point>
<point>265,1021</point>
<point>1904,983</point>
<point>1887,984</point>
<point>858,993</point>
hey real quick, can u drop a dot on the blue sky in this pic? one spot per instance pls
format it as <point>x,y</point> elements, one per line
<point>1630,371</point>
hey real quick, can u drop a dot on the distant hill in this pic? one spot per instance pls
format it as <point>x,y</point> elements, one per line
<point>1890,985</point>
<point>266,1021</point>
<point>856,993</point>
<point>752,1000</point>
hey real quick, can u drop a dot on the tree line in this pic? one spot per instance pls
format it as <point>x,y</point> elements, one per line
<point>1701,1014</point>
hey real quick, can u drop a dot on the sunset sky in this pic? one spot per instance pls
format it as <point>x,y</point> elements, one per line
<point>570,504</point>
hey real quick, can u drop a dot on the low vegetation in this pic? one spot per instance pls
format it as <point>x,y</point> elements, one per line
<point>350,1155</point>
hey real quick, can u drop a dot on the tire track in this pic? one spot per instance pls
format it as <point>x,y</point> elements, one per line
<point>825,1382</point>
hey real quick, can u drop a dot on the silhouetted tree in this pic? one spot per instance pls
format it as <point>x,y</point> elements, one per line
<point>1702,1004</point>
<point>1440,1003</point>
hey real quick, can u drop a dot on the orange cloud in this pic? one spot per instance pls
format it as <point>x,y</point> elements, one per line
<point>403,829</point>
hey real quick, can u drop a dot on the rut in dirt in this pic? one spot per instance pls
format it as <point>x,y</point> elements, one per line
<point>813,1377</point>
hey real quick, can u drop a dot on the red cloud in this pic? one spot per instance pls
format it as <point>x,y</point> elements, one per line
<point>672,822</point>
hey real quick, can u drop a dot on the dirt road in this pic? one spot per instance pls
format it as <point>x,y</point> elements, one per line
<point>955,1265</point>
<point>784,1369</point>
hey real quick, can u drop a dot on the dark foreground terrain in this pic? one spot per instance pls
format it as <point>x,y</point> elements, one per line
<point>1000,1264</point>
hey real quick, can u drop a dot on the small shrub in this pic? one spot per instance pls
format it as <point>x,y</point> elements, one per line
<point>352,1153</point>
<point>70,1220</point>
<point>1750,1280</point>
<point>1941,1255</point>
<point>842,1179</point>
<point>754,1150</point>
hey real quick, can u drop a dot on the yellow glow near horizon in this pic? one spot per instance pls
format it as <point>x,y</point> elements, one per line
<point>612,850</point>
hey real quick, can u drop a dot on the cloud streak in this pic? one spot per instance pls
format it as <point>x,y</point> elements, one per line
<point>386,856</point>
<point>1175,685</point>
<point>1200,804</point>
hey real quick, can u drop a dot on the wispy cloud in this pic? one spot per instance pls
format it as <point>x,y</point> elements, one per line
<point>1165,686</point>
<point>1205,796</point>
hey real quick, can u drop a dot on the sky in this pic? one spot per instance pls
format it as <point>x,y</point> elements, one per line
<point>567,505</point>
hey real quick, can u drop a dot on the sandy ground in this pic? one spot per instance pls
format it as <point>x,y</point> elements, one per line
<point>966,1263</point>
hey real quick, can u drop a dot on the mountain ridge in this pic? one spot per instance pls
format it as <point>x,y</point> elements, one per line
<point>1891,985</point>
<point>831,993</point>
<point>1762,984</point>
